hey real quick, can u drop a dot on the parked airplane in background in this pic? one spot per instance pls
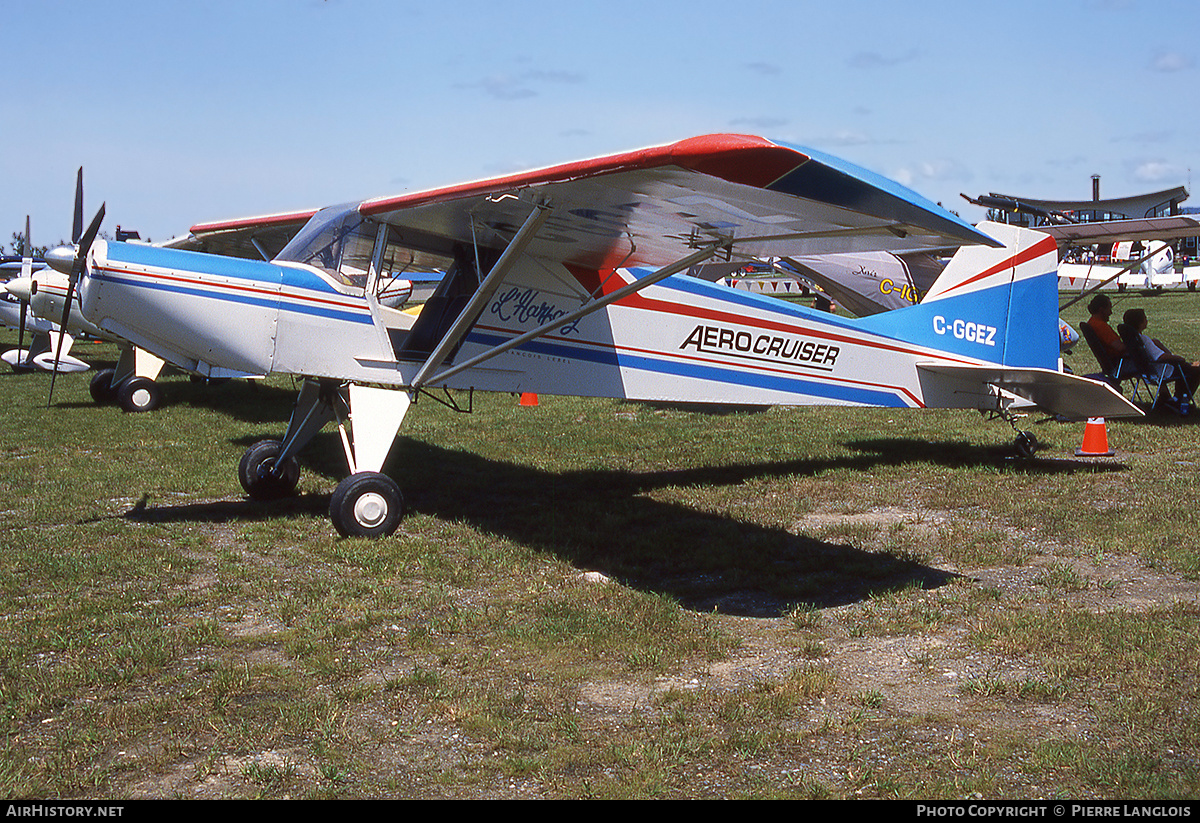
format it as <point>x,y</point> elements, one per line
<point>1141,253</point>
<point>570,280</point>
<point>16,313</point>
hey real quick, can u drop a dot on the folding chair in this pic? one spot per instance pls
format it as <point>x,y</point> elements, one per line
<point>1148,375</point>
<point>1112,371</point>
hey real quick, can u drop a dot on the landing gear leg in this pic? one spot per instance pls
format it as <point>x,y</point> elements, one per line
<point>368,503</point>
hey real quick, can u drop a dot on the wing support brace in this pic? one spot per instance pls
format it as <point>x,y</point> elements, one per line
<point>466,319</point>
<point>1128,268</point>
<point>586,309</point>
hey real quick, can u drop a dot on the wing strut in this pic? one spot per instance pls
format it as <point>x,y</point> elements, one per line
<point>1128,268</point>
<point>466,318</point>
<point>570,317</point>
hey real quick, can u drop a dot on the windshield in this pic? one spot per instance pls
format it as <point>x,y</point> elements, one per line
<point>337,240</point>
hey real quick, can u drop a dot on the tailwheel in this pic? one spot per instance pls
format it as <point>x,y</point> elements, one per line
<point>138,394</point>
<point>367,504</point>
<point>1026,444</point>
<point>102,389</point>
<point>261,474</point>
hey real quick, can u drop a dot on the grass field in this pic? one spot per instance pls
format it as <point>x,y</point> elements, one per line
<point>600,599</point>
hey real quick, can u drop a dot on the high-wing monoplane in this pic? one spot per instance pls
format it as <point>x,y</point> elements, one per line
<point>1142,253</point>
<point>40,294</point>
<point>49,347</point>
<point>572,280</point>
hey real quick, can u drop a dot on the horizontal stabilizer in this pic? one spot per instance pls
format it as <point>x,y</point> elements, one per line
<point>1067,395</point>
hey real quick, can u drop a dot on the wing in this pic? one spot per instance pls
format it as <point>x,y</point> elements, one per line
<point>253,238</point>
<point>1115,231</point>
<point>753,197</point>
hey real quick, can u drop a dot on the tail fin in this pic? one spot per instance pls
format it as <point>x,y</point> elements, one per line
<point>999,305</point>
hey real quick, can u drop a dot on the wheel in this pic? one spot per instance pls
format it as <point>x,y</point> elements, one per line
<point>368,504</point>
<point>102,388</point>
<point>261,477</point>
<point>1026,444</point>
<point>139,394</point>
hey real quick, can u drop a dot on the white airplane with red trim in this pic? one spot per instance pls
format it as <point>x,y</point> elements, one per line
<point>572,280</point>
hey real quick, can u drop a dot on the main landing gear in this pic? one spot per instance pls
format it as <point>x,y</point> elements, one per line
<point>368,503</point>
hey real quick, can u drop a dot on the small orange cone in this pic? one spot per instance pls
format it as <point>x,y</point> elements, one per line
<point>1095,440</point>
<point>529,399</point>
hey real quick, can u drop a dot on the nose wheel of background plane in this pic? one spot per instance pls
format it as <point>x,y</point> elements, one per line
<point>135,394</point>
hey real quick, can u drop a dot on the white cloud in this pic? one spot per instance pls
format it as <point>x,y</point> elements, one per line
<point>1156,171</point>
<point>764,68</point>
<point>1170,61</point>
<point>877,60</point>
<point>923,171</point>
<point>764,122</point>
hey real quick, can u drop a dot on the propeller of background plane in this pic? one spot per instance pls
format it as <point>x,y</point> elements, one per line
<point>26,271</point>
<point>71,261</point>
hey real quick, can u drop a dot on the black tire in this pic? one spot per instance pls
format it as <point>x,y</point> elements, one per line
<point>1027,445</point>
<point>368,504</point>
<point>139,394</point>
<point>261,478</point>
<point>102,389</point>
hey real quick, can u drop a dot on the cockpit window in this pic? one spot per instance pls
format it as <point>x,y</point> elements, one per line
<point>337,240</point>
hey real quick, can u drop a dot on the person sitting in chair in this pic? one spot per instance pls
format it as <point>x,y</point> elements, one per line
<point>1184,373</point>
<point>1101,309</point>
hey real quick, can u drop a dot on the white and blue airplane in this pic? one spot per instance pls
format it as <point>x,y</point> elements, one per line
<point>45,350</point>
<point>572,280</point>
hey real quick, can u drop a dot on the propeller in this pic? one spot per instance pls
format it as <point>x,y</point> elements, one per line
<point>72,260</point>
<point>26,271</point>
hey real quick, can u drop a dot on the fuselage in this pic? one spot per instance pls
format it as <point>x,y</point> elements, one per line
<point>682,339</point>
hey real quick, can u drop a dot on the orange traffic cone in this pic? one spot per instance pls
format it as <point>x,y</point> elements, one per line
<point>529,399</point>
<point>1095,440</point>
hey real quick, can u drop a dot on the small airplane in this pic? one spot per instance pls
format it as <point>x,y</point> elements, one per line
<point>1141,255</point>
<point>41,293</point>
<point>873,282</point>
<point>16,313</point>
<point>572,280</point>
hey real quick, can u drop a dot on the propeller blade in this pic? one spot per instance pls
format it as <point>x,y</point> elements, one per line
<point>26,271</point>
<point>85,245</point>
<point>27,255</point>
<point>77,224</point>
<point>21,334</point>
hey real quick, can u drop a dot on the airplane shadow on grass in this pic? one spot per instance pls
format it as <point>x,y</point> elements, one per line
<point>606,520</point>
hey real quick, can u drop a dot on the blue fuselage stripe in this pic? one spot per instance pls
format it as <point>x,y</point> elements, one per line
<point>676,368</point>
<point>225,296</point>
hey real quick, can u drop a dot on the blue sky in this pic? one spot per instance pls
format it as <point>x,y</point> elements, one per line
<point>182,112</point>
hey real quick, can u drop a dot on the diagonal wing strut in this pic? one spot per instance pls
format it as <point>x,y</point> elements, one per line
<point>637,285</point>
<point>466,318</point>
